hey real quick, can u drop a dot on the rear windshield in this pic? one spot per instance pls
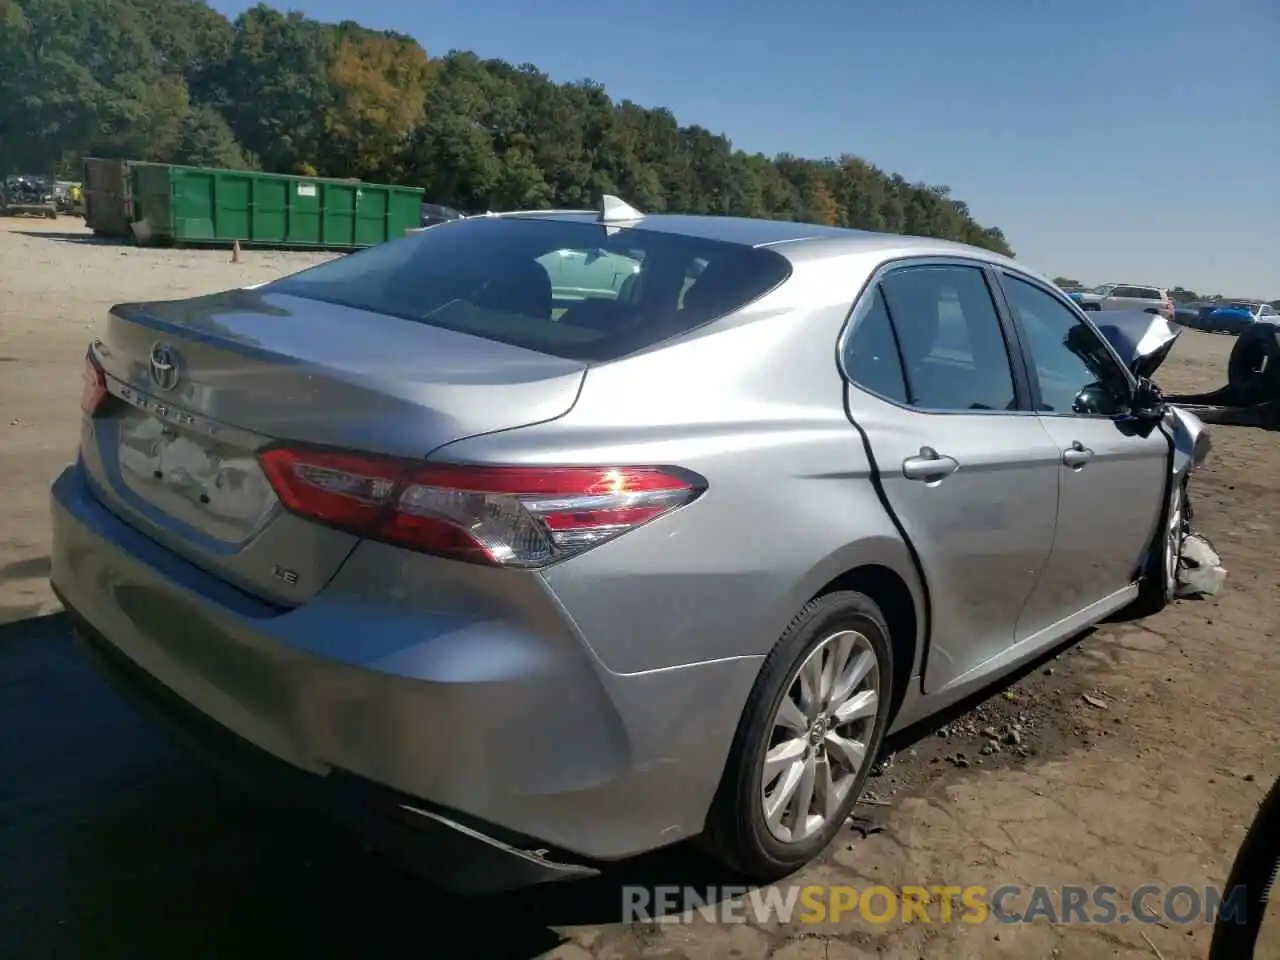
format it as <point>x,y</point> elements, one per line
<point>573,289</point>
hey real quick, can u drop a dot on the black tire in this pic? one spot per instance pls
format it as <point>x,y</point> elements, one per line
<point>1253,369</point>
<point>1157,587</point>
<point>736,833</point>
<point>1257,870</point>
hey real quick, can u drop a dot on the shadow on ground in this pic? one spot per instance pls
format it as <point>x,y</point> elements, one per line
<point>30,569</point>
<point>91,239</point>
<point>84,239</point>
<point>113,843</point>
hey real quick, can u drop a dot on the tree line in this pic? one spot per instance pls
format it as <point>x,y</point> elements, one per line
<point>176,81</point>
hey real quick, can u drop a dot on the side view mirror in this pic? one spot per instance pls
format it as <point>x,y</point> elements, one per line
<point>1094,398</point>
<point>1148,401</point>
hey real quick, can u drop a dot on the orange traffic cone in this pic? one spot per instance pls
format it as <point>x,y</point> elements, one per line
<point>235,252</point>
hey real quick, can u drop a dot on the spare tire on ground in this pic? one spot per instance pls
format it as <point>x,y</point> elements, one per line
<point>1253,370</point>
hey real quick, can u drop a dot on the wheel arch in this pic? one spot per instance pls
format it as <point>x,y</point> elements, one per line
<point>898,604</point>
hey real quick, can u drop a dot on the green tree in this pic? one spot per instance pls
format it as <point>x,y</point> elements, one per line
<point>275,89</point>
<point>206,140</point>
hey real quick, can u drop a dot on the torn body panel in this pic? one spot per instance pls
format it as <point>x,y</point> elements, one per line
<point>1144,341</point>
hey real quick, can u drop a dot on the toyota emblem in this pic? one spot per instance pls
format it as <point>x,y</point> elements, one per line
<point>164,366</point>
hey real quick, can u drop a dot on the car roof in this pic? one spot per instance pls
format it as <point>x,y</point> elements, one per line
<point>813,238</point>
<point>1127,283</point>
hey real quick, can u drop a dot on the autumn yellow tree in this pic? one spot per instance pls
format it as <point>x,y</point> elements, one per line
<point>822,205</point>
<point>379,82</point>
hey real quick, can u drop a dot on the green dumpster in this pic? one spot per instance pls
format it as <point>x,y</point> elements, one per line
<point>175,205</point>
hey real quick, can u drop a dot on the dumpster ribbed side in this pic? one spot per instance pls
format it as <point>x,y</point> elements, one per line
<point>153,206</point>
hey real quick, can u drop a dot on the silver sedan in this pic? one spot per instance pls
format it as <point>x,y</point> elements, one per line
<point>531,542</point>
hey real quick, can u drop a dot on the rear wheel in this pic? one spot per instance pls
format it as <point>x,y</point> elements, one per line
<point>807,739</point>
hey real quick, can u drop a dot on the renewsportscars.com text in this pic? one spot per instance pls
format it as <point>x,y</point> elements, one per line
<point>1011,903</point>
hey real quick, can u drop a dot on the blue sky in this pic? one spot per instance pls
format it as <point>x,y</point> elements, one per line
<point>1123,140</point>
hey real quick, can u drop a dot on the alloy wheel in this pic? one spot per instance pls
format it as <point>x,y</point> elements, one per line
<point>1173,542</point>
<point>818,739</point>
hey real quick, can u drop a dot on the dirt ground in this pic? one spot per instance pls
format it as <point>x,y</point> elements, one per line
<point>1135,756</point>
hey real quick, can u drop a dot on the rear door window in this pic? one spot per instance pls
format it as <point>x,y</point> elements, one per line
<point>572,288</point>
<point>951,340</point>
<point>871,358</point>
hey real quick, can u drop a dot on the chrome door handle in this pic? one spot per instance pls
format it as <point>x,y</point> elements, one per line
<point>1077,455</point>
<point>929,465</point>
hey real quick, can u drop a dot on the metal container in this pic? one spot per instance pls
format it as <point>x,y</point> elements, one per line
<point>108,197</point>
<point>175,205</point>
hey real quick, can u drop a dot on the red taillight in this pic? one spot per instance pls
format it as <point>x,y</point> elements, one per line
<point>504,516</point>
<point>95,386</point>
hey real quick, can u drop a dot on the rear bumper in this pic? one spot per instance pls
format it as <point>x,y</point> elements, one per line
<point>430,843</point>
<point>472,698</point>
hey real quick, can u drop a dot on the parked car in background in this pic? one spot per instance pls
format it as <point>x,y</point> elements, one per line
<point>1187,314</point>
<point>592,274</point>
<point>1091,294</point>
<point>433,213</point>
<point>1203,311</point>
<point>540,540</point>
<point>1236,316</point>
<point>1127,296</point>
<point>28,194</point>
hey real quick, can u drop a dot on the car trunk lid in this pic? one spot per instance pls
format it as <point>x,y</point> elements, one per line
<point>202,385</point>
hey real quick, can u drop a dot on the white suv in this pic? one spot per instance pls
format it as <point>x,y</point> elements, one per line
<point>1127,296</point>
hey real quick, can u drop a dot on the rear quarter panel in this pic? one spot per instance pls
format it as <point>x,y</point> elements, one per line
<point>756,407</point>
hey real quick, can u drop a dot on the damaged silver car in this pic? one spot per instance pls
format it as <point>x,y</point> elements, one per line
<point>527,576</point>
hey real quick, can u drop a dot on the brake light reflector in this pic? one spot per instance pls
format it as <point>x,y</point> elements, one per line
<point>95,385</point>
<point>502,516</point>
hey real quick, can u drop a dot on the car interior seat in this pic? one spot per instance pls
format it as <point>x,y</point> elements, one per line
<point>523,288</point>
